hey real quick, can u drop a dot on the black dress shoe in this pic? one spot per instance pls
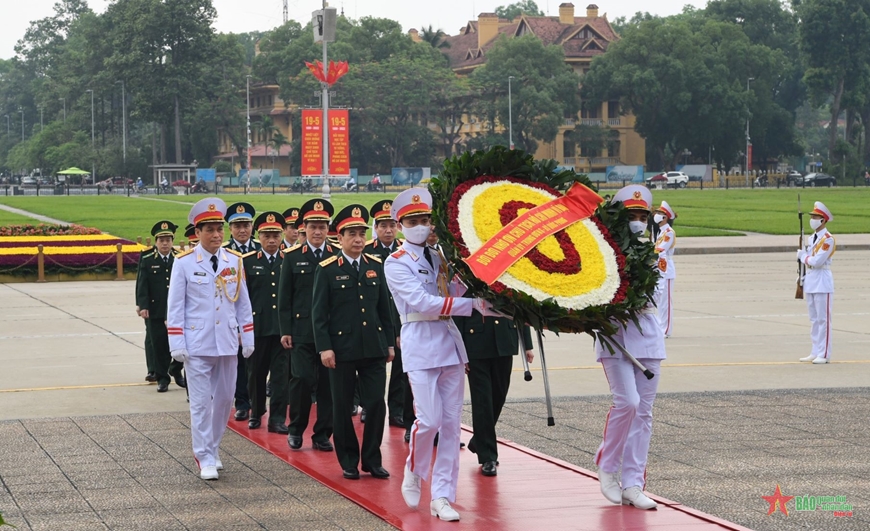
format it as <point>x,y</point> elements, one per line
<point>408,435</point>
<point>355,410</point>
<point>277,427</point>
<point>323,446</point>
<point>397,421</point>
<point>461,445</point>
<point>269,388</point>
<point>376,471</point>
<point>254,423</point>
<point>295,441</point>
<point>162,387</point>
<point>362,415</point>
<point>150,377</point>
<point>180,381</point>
<point>489,469</point>
<point>242,414</point>
<point>350,473</point>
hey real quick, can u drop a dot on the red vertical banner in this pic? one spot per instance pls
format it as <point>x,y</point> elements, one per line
<point>339,142</point>
<point>312,142</point>
<point>748,157</point>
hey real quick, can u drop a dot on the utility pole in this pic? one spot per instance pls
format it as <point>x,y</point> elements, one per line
<point>324,22</point>
<point>249,128</point>
<point>748,80</point>
<point>21,110</point>
<point>510,114</point>
<point>124,120</point>
<point>93,143</point>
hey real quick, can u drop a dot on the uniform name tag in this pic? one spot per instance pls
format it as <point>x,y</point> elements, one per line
<point>256,267</point>
<point>155,267</point>
<point>302,263</point>
<point>425,272</point>
<point>343,277</point>
<point>199,274</point>
<point>371,274</point>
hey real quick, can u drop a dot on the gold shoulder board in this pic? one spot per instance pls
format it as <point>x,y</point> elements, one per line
<point>375,258</point>
<point>328,261</point>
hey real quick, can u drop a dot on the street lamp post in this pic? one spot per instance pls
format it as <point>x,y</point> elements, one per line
<point>21,110</point>
<point>249,128</point>
<point>746,167</point>
<point>510,115</point>
<point>124,120</point>
<point>64,109</point>
<point>93,143</point>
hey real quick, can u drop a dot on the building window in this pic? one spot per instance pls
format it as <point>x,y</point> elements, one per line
<point>613,109</point>
<point>569,147</point>
<point>613,144</point>
<point>590,110</point>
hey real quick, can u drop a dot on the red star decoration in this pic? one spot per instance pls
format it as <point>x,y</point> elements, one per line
<point>778,499</point>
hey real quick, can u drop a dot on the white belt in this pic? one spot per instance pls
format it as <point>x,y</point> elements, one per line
<point>416,317</point>
<point>820,267</point>
<point>650,310</point>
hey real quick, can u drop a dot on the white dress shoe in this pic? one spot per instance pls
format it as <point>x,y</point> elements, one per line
<point>610,486</point>
<point>411,488</point>
<point>820,360</point>
<point>208,472</point>
<point>808,358</point>
<point>635,496</point>
<point>442,509</point>
<point>218,464</point>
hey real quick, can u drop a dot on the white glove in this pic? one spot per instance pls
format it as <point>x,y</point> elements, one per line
<point>180,355</point>
<point>801,254</point>
<point>247,351</point>
<point>484,307</point>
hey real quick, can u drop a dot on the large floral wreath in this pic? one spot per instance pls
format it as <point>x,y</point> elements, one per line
<point>580,279</point>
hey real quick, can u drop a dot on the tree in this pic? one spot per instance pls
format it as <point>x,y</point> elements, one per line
<point>523,7</point>
<point>276,142</point>
<point>544,89</point>
<point>434,37</point>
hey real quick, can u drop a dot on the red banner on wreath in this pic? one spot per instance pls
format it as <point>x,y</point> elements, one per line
<point>339,142</point>
<point>525,232</point>
<point>311,142</point>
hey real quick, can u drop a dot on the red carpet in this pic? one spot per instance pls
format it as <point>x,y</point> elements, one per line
<point>531,491</point>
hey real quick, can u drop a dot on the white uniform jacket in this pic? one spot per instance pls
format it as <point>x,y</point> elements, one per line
<point>818,278</point>
<point>665,248</point>
<point>207,310</point>
<point>646,343</point>
<point>430,338</point>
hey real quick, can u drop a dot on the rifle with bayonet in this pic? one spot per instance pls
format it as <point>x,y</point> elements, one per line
<point>801,269</point>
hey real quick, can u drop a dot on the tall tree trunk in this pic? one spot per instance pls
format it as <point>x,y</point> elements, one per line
<point>835,117</point>
<point>865,147</point>
<point>154,150</point>
<point>177,131</point>
<point>162,143</point>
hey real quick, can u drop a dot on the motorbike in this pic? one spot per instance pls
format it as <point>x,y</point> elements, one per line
<point>301,186</point>
<point>199,188</point>
<point>374,187</point>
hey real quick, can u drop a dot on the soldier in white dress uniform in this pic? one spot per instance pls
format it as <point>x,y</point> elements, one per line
<point>628,428</point>
<point>208,312</point>
<point>434,355</point>
<point>819,282</point>
<point>665,248</point>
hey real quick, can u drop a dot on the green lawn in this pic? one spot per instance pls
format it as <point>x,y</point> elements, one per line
<point>8,218</point>
<point>700,212</point>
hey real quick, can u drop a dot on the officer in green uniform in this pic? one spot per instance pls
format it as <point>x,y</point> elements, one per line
<point>240,217</point>
<point>295,291</point>
<point>151,375</point>
<point>491,343</point>
<point>190,234</point>
<point>262,272</point>
<point>353,332</point>
<point>291,233</point>
<point>152,292</point>
<point>383,244</point>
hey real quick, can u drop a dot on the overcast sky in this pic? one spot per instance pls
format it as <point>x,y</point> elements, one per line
<point>248,15</point>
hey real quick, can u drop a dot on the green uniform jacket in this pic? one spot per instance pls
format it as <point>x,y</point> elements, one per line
<point>375,248</point>
<point>252,245</point>
<point>351,311</point>
<point>262,279</point>
<point>491,337</point>
<point>140,272</point>
<point>295,291</point>
<point>152,284</point>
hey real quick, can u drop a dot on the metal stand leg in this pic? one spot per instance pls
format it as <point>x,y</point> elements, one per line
<point>550,420</point>
<point>528,374</point>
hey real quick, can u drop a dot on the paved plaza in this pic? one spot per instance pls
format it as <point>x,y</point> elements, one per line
<point>85,444</point>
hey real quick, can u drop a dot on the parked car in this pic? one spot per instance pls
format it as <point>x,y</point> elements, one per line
<point>28,180</point>
<point>818,179</point>
<point>677,179</point>
<point>794,178</point>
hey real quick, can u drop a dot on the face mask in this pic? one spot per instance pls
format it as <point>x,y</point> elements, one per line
<point>815,223</point>
<point>658,218</point>
<point>637,227</point>
<point>416,234</point>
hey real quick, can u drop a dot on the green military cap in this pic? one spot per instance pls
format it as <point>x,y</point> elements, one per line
<point>164,228</point>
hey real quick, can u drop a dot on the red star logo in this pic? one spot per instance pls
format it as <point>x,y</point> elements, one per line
<point>778,499</point>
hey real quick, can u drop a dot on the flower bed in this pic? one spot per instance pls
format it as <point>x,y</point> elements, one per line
<point>46,229</point>
<point>18,254</point>
<point>581,275</point>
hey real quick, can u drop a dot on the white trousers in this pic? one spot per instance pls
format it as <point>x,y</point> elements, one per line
<point>628,428</point>
<point>438,395</point>
<point>664,302</point>
<point>820,306</point>
<point>211,383</point>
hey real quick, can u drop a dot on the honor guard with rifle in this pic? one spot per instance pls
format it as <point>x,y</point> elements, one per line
<point>262,272</point>
<point>208,318</point>
<point>240,217</point>
<point>434,357</point>
<point>665,243</point>
<point>353,333</point>
<point>152,292</point>
<point>295,292</point>
<point>623,453</point>
<point>818,282</point>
